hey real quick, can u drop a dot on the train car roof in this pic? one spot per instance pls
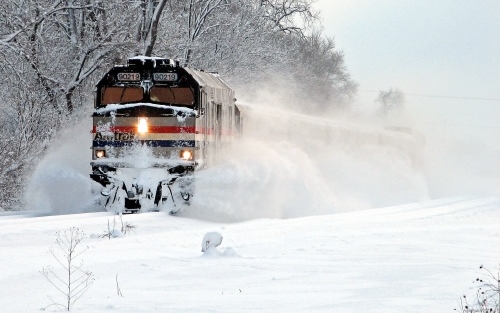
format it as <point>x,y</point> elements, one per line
<point>207,79</point>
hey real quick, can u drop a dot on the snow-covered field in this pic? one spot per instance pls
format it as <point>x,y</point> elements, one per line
<point>306,227</point>
<point>408,258</point>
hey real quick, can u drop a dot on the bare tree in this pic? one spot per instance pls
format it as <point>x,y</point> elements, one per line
<point>49,52</point>
<point>242,46</point>
<point>73,281</point>
<point>320,72</point>
<point>200,20</point>
<point>284,14</point>
<point>25,127</point>
<point>148,28</point>
<point>65,42</point>
<point>390,100</point>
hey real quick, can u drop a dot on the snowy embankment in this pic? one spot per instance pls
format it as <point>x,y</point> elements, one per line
<point>410,258</point>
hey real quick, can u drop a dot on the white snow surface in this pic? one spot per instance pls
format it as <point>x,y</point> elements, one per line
<point>307,227</point>
<point>408,258</point>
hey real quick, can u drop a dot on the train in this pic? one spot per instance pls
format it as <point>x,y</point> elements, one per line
<point>320,134</point>
<point>155,124</point>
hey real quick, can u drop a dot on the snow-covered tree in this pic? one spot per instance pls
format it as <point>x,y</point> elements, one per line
<point>390,100</point>
<point>148,27</point>
<point>321,71</point>
<point>290,16</point>
<point>49,51</point>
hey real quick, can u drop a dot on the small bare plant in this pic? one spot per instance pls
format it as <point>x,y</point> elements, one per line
<point>126,226</point>
<point>118,290</point>
<point>487,298</point>
<point>113,232</point>
<point>73,281</point>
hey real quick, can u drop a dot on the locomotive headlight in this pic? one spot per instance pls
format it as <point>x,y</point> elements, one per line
<point>186,155</point>
<point>100,154</point>
<point>142,126</point>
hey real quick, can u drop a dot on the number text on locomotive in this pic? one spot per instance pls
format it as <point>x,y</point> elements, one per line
<point>128,76</point>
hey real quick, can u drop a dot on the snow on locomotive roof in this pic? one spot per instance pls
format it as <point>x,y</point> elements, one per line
<point>154,61</point>
<point>143,57</point>
<point>117,106</point>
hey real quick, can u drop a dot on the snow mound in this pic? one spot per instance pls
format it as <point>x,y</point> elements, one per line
<point>209,245</point>
<point>211,240</point>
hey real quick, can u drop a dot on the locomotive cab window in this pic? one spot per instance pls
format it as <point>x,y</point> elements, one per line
<point>174,95</point>
<point>110,95</point>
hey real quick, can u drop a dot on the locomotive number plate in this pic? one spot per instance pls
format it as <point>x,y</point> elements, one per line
<point>165,77</point>
<point>128,76</point>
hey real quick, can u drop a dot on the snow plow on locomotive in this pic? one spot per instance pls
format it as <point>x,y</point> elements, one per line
<point>155,124</point>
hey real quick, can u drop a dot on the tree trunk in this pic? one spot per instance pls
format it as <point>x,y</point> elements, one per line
<point>153,29</point>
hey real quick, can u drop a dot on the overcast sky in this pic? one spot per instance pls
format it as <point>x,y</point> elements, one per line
<point>425,47</point>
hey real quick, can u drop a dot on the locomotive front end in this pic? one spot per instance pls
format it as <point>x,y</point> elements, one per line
<point>144,148</point>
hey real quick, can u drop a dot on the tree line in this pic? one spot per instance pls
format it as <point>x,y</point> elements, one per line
<point>52,52</point>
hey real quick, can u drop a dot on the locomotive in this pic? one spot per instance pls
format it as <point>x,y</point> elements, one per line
<point>155,124</point>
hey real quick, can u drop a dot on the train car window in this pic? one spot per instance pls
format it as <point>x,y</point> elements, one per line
<point>174,95</point>
<point>121,94</point>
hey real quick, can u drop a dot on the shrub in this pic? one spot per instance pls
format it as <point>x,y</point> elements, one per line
<point>72,281</point>
<point>487,297</point>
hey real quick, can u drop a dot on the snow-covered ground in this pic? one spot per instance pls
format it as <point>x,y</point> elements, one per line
<point>408,258</point>
<point>307,227</point>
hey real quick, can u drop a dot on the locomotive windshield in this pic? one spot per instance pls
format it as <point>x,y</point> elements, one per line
<point>174,95</point>
<point>157,94</point>
<point>124,94</point>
